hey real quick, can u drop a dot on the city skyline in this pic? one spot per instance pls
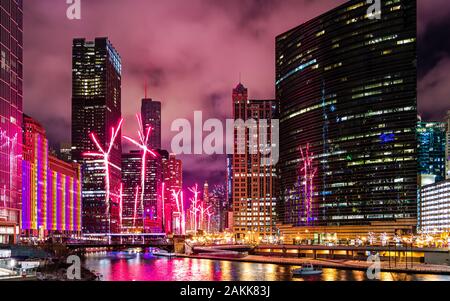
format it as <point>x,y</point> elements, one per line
<point>168,64</point>
<point>250,140</point>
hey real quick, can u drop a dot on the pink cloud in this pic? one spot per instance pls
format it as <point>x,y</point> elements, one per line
<point>191,52</point>
<point>431,12</point>
<point>434,89</point>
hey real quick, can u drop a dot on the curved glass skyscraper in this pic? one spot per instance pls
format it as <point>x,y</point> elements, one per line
<point>346,82</point>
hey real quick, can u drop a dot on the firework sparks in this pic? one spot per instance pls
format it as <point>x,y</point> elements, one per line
<point>120,206</point>
<point>194,202</point>
<point>144,136</point>
<point>309,173</point>
<point>104,155</point>
<point>178,196</point>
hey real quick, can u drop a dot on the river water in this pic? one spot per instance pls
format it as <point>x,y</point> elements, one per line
<point>120,266</point>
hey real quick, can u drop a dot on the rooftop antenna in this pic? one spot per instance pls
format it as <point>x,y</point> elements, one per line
<point>145,89</point>
<point>240,77</point>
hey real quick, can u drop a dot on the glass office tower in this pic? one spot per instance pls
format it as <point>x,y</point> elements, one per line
<point>96,108</point>
<point>346,83</point>
<point>11,96</point>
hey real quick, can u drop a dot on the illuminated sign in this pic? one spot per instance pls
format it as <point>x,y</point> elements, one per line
<point>386,138</point>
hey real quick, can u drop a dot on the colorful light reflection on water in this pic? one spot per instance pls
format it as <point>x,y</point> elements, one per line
<point>119,266</point>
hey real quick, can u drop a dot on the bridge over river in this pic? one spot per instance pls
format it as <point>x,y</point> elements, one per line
<point>119,242</point>
<point>222,250</point>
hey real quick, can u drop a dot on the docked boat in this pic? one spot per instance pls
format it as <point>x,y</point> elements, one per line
<point>307,270</point>
<point>163,253</point>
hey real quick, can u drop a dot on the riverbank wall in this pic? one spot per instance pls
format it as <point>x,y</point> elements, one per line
<point>399,267</point>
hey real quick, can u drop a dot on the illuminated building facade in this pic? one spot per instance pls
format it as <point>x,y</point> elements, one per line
<point>131,179</point>
<point>227,206</point>
<point>11,96</point>
<point>138,216</point>
<point>253,183</point>
<point>173,181</point>
<point>435,208</point>
<point>51,194</point>
<point>431,138</point>
<point>219,208</point>
<point>151,116</point>
<point>96,109</point>
<point>447,149</point>
<point>347,88</point>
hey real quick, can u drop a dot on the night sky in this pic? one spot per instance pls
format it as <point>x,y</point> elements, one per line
<point>191,52</point>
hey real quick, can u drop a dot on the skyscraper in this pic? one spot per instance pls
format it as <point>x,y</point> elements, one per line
<point>206,209</point>
<point>431,138</point>
<point>11,95</point>
<point>151,116</point>
<point>132,221</point>
<point>447,149</point>
<point>227,206</point>
<point>96,108</point>
<point>141,213</point>
<point>219,208</point>
<point>253,183</point>
<point>434,213</point>
<point>173,181</point>
<point>346,83</point>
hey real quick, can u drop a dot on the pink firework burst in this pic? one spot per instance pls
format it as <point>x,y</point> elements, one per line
<point>104,155</point>
<point>144,136</point>
<point>309,173</point>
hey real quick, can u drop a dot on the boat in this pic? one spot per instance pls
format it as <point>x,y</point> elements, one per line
<point>163,253</point>
<point>307,270</point>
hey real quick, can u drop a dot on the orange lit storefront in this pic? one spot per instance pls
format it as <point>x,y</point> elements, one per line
<point>9,226</point>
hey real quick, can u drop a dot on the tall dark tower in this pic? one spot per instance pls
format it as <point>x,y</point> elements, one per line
<point>151,116</point>
<point>346,82</point>
<point>96,108</point>
<point>11,119</point>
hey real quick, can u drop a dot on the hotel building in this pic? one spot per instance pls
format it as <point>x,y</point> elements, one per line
<point>253,183</point>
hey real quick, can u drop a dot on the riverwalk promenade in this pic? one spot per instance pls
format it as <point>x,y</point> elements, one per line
<point>395,267</point>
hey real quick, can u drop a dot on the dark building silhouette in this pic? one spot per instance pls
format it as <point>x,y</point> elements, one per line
<point>151,116</point>
<point>96,108</point>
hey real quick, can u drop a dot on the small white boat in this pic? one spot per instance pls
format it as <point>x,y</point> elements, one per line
<point>163,253</point>
<point>307,270</point>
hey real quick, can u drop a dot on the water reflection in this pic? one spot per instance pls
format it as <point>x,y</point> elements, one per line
<point>116,266</point>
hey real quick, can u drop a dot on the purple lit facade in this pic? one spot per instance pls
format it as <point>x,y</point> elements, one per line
<point>11,119</point>
<point>51,193</point>
<point>138,217</point>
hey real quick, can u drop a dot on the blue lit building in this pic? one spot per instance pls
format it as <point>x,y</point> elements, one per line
<point>431,139</point>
